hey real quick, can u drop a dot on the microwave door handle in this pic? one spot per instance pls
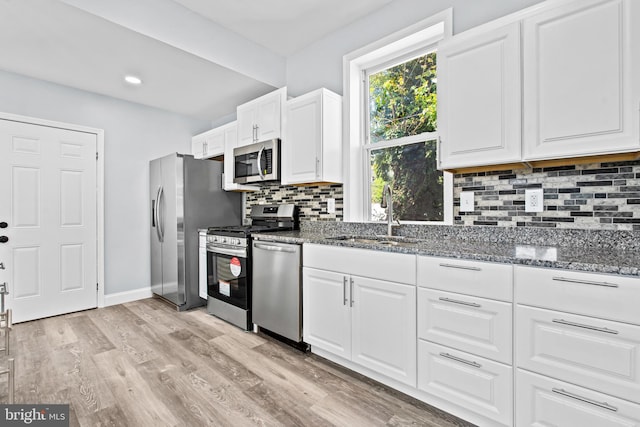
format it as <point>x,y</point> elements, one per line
<point>259,160</point>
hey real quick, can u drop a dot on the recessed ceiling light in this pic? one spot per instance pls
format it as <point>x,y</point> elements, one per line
<point>133,80</point>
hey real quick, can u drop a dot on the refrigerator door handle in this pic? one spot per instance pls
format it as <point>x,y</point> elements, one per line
<point>159,218</point>
<point>153,213</point>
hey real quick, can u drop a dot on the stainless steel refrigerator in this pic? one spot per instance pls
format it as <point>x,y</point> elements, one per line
<point>186,194</point>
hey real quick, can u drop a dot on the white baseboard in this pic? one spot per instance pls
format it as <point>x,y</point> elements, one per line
<point>127,296</point>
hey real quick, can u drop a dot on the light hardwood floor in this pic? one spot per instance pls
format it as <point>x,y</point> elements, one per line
<point>145,364</point>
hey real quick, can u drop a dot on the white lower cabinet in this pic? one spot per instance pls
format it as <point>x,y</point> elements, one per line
<point>368,321</point>
<point>544,401</point>
<point>578,363</point>
<point>475,383</point>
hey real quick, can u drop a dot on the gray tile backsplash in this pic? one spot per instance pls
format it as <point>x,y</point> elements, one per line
<point>311,200</point>
<point>603,196</point>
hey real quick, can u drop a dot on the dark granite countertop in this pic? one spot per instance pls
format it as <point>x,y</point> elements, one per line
<point>576,256</point>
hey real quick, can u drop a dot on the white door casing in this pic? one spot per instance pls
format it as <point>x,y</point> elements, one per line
<point>50,182</point>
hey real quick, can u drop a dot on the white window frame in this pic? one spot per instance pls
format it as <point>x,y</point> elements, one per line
<point>397,47</point>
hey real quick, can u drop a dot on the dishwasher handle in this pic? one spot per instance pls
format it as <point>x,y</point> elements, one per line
<point>273,248</point>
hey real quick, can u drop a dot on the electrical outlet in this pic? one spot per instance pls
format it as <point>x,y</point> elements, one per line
<point>331,205</point>
<point>466,201</point>
<point>534,200</point>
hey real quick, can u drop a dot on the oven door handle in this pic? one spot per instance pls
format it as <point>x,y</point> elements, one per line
<point>273,248</point>
<point>241,253</point>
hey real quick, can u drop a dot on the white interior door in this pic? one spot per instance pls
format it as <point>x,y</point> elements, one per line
<point>48,193</point>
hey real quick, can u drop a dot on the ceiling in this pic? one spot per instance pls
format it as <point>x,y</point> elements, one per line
<point>195,57</point>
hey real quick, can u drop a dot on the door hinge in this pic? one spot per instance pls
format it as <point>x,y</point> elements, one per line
<point>96,155</point>
<point>97,286</point>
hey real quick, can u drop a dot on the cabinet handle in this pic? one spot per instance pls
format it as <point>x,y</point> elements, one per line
<point>344,290</point>
<point>585,282</point>
<point>461,267</point>
<point>458,359</point>
<point>351,292</point>
<point>438,152</point>
<point>455,301</point>
<point>603,405</point>
<point>580,325</point>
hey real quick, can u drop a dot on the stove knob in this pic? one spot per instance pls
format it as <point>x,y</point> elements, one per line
<point>236,242</point>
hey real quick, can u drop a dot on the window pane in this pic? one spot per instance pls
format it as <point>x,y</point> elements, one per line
<point>402,99</point>
<point>417,183</point>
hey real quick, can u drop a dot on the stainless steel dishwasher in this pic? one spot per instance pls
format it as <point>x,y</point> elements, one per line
<point>277,288</point>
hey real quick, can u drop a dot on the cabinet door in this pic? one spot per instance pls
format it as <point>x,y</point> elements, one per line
<point>247,115</point>
<point>544,401</point>
<point>269,113</point>
<point>479,99</point>
<point>326,312</point>
<point>303,141</point>
<point>215,144</point>
<point>197,147</point>
<point>384,328</point>
<point>579,98</point>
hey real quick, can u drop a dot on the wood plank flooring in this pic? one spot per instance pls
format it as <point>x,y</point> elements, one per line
<point>145,364</point>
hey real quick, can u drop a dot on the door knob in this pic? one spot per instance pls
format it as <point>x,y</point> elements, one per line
<point>3,224</point>
<point>4,239</point>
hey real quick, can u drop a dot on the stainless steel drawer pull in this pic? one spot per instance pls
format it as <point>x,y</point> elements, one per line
<point>351,291</point>
<point>603,405</point>
<point>455,301</point>
<point>461,267</point>
<point>458,359</point>
<point>344,290</point>
<point>580,325</point>
<point>585,282</point>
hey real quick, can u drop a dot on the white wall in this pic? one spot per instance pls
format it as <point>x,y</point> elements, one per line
<point>134,134</point>
<point>320,65</point>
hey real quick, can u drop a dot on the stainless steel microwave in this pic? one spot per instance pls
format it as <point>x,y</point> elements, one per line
<point>257,162</point>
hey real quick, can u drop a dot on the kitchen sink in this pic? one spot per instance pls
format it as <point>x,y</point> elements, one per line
<point>376,240</point>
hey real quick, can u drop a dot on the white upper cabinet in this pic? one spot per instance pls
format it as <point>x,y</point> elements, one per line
<point>312,147</point>
<point>572,90</point>
<point>581,84</point>
<point>261,119</point>
<point>208,144</point>
<point>479,98</point>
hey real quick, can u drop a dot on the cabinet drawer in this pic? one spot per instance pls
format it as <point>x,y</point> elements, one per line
<point>481,279</point>
<point>591,352</point>
<point>544,401</point>
<point>599,295</point>
<point>476,325</point>
<point>473,382</point>
<point>380,265</point>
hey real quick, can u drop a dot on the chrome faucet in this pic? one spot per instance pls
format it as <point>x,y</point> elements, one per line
<point>387,202</point>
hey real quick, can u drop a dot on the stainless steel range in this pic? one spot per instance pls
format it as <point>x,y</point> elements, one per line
<point>229,262</point>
